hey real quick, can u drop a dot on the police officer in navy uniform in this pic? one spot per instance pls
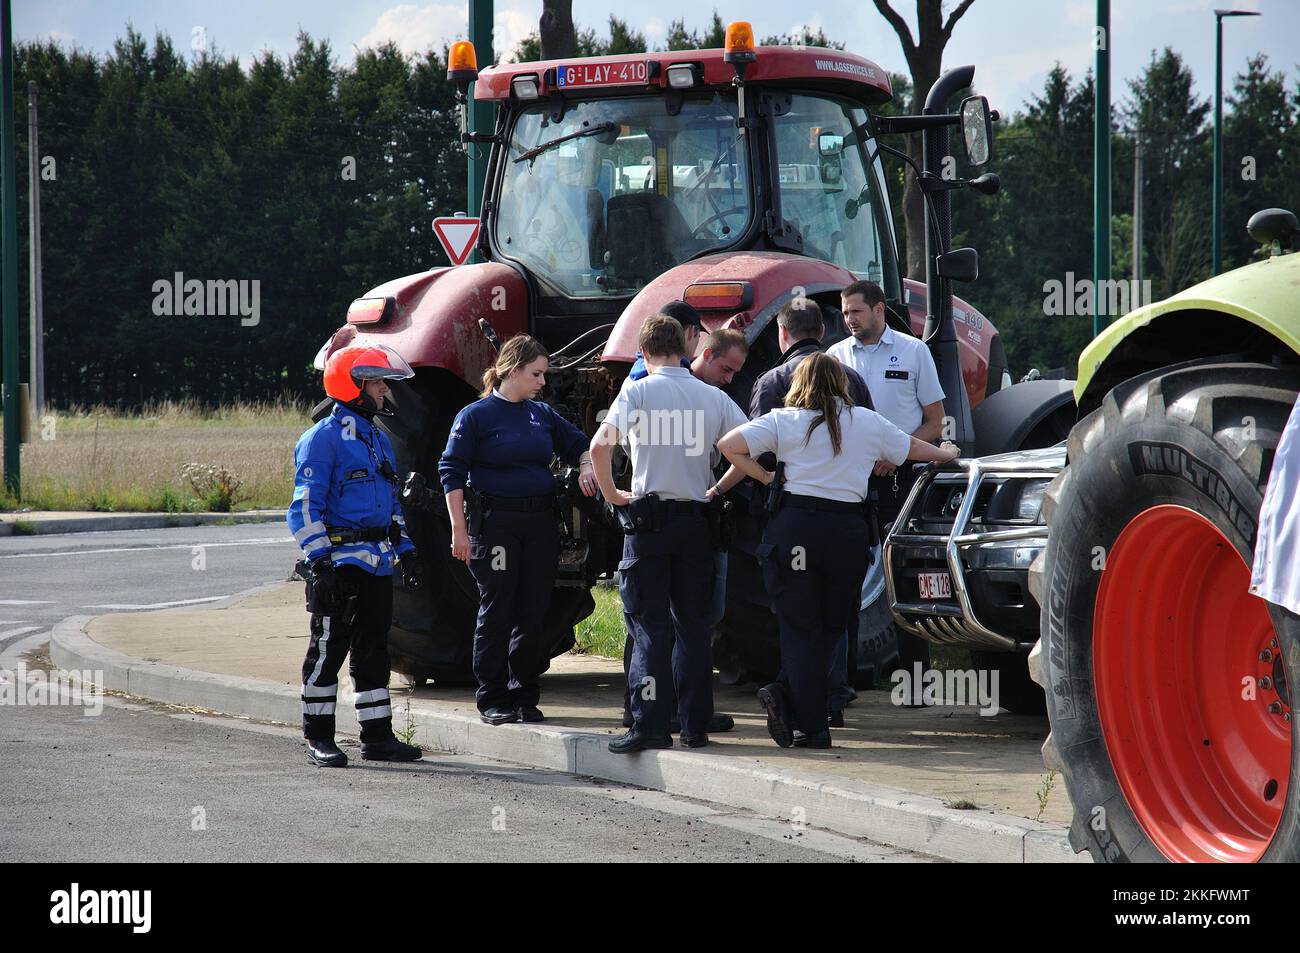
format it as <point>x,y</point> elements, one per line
<point>815,547</point>
<point>502,446</point>
<point>904,382</point>
<point>671,422</point>
<point>346,517</point>
<point>800,329</point>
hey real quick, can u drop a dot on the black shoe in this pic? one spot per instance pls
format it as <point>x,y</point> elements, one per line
<point>531,714</point>
<point>694,741</point>
<point>390,749</point>
<point>772,698</point>
<point>628,721</point>
<point>835,719</point>
<point>326,753</point>
<point>719,722</point>
<point>634,740</point>
<point>498,716</point>
<point>820,739</point>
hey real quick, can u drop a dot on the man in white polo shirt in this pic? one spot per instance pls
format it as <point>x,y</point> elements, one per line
<point>904,384</point>
<point>671,422</point>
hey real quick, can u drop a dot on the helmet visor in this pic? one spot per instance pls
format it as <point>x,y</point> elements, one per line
<point>381,363</point>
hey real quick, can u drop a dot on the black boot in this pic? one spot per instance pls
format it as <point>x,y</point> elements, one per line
<point>530,714</point>
<point>326,753</point>
<point>819,739</point>
<point>635,740</point>
<point>389,749</point>
<point>498,716</point>
<point>774,701</point>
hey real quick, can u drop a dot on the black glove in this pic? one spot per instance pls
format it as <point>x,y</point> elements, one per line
<point>412,572</point>
<point>322,586</point>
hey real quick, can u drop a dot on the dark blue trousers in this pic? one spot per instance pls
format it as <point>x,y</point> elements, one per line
<point>666,581</point>
<point>813,566</point>
<point>514,562</point>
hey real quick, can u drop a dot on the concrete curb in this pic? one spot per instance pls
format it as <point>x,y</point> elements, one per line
<point>109,522</point>
<point>857,809</point>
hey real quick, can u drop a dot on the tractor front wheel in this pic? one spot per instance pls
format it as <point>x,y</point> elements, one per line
<point>1167,682</point>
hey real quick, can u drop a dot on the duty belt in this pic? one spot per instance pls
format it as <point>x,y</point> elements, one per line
<point>799,502</point>
<point>342,536</point>
<point>682,506</point>
<point>520,504</point>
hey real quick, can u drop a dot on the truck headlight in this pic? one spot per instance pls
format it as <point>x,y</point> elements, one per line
<point>1029,502</point>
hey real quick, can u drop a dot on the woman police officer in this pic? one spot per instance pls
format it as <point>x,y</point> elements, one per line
<point>815,547</point>
<point>502,446</point>
<point>345,516</point>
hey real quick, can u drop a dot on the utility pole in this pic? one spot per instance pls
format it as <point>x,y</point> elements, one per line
<point>37,347</point>
<point>1137,211</point>
<point>1101,167</point>
<point>480,113</point>
<point>1217,216</point>
<point>8,255</point>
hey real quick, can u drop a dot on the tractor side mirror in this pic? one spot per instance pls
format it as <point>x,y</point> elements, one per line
<point>830,152</point>
<point>1273,228</point>
<point>960,264</point>
<point>977,130</point>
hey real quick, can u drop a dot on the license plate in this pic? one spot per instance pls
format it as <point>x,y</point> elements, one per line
<point>935,585</point>
<point>602,74</point>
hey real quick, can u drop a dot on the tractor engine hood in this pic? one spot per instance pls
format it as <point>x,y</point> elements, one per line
<point>769,279</point>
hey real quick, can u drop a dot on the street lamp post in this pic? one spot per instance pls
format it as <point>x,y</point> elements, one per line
<point>1218,131</point>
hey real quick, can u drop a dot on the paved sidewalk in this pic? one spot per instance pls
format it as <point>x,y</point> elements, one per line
<point>944,780</point>
<point>54,521</point>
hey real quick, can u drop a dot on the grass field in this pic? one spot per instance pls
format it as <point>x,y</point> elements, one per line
<point>98,459</point>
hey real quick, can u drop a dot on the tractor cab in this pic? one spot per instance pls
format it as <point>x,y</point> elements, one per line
<point>607,173</point>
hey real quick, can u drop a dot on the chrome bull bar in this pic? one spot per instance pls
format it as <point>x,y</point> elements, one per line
<point>943,622</point>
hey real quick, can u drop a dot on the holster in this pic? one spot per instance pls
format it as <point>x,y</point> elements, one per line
<point>719,515</point>
<point>643,515</point>
<point>775,489</point>
<point>475,511</point>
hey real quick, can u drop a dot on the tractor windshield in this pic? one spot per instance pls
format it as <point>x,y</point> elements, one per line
<point>620,190</point>
<point>832,186</point>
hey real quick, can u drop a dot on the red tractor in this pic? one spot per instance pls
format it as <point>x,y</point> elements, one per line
<point>734,179</point>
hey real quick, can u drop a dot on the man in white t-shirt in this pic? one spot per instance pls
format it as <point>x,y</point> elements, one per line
<point>671,423</point>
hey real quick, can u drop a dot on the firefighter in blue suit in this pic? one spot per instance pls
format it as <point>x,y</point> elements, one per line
<point>346,517</point>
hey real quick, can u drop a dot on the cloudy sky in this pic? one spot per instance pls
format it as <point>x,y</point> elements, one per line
<point>1012,42</point>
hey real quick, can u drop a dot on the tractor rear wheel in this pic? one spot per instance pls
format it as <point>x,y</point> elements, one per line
<point>1166,680</point>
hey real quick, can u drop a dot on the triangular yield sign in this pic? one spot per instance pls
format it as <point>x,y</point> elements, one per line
<point>457,236</point>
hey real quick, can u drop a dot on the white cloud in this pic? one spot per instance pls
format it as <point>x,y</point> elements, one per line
<point>508,28</point>
<point>414,29</point>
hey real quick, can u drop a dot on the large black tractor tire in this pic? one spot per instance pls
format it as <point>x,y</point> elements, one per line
<point>1017,691</point>
<point>1166,680</point>
<point>433,629</point>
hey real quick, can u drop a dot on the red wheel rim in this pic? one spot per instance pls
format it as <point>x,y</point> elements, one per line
<point>1179,645</point>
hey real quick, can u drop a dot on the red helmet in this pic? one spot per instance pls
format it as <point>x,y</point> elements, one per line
<point>348,367</point>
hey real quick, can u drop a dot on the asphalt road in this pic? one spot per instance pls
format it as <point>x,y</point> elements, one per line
<point>141,782</point>
<point>44,579</point>
<point>136,783</point>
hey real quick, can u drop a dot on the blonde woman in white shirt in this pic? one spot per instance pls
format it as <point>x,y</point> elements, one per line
<point>814,549</point>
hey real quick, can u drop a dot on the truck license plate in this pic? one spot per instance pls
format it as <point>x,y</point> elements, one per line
<point>602,74</point>
<point>935,585</point>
